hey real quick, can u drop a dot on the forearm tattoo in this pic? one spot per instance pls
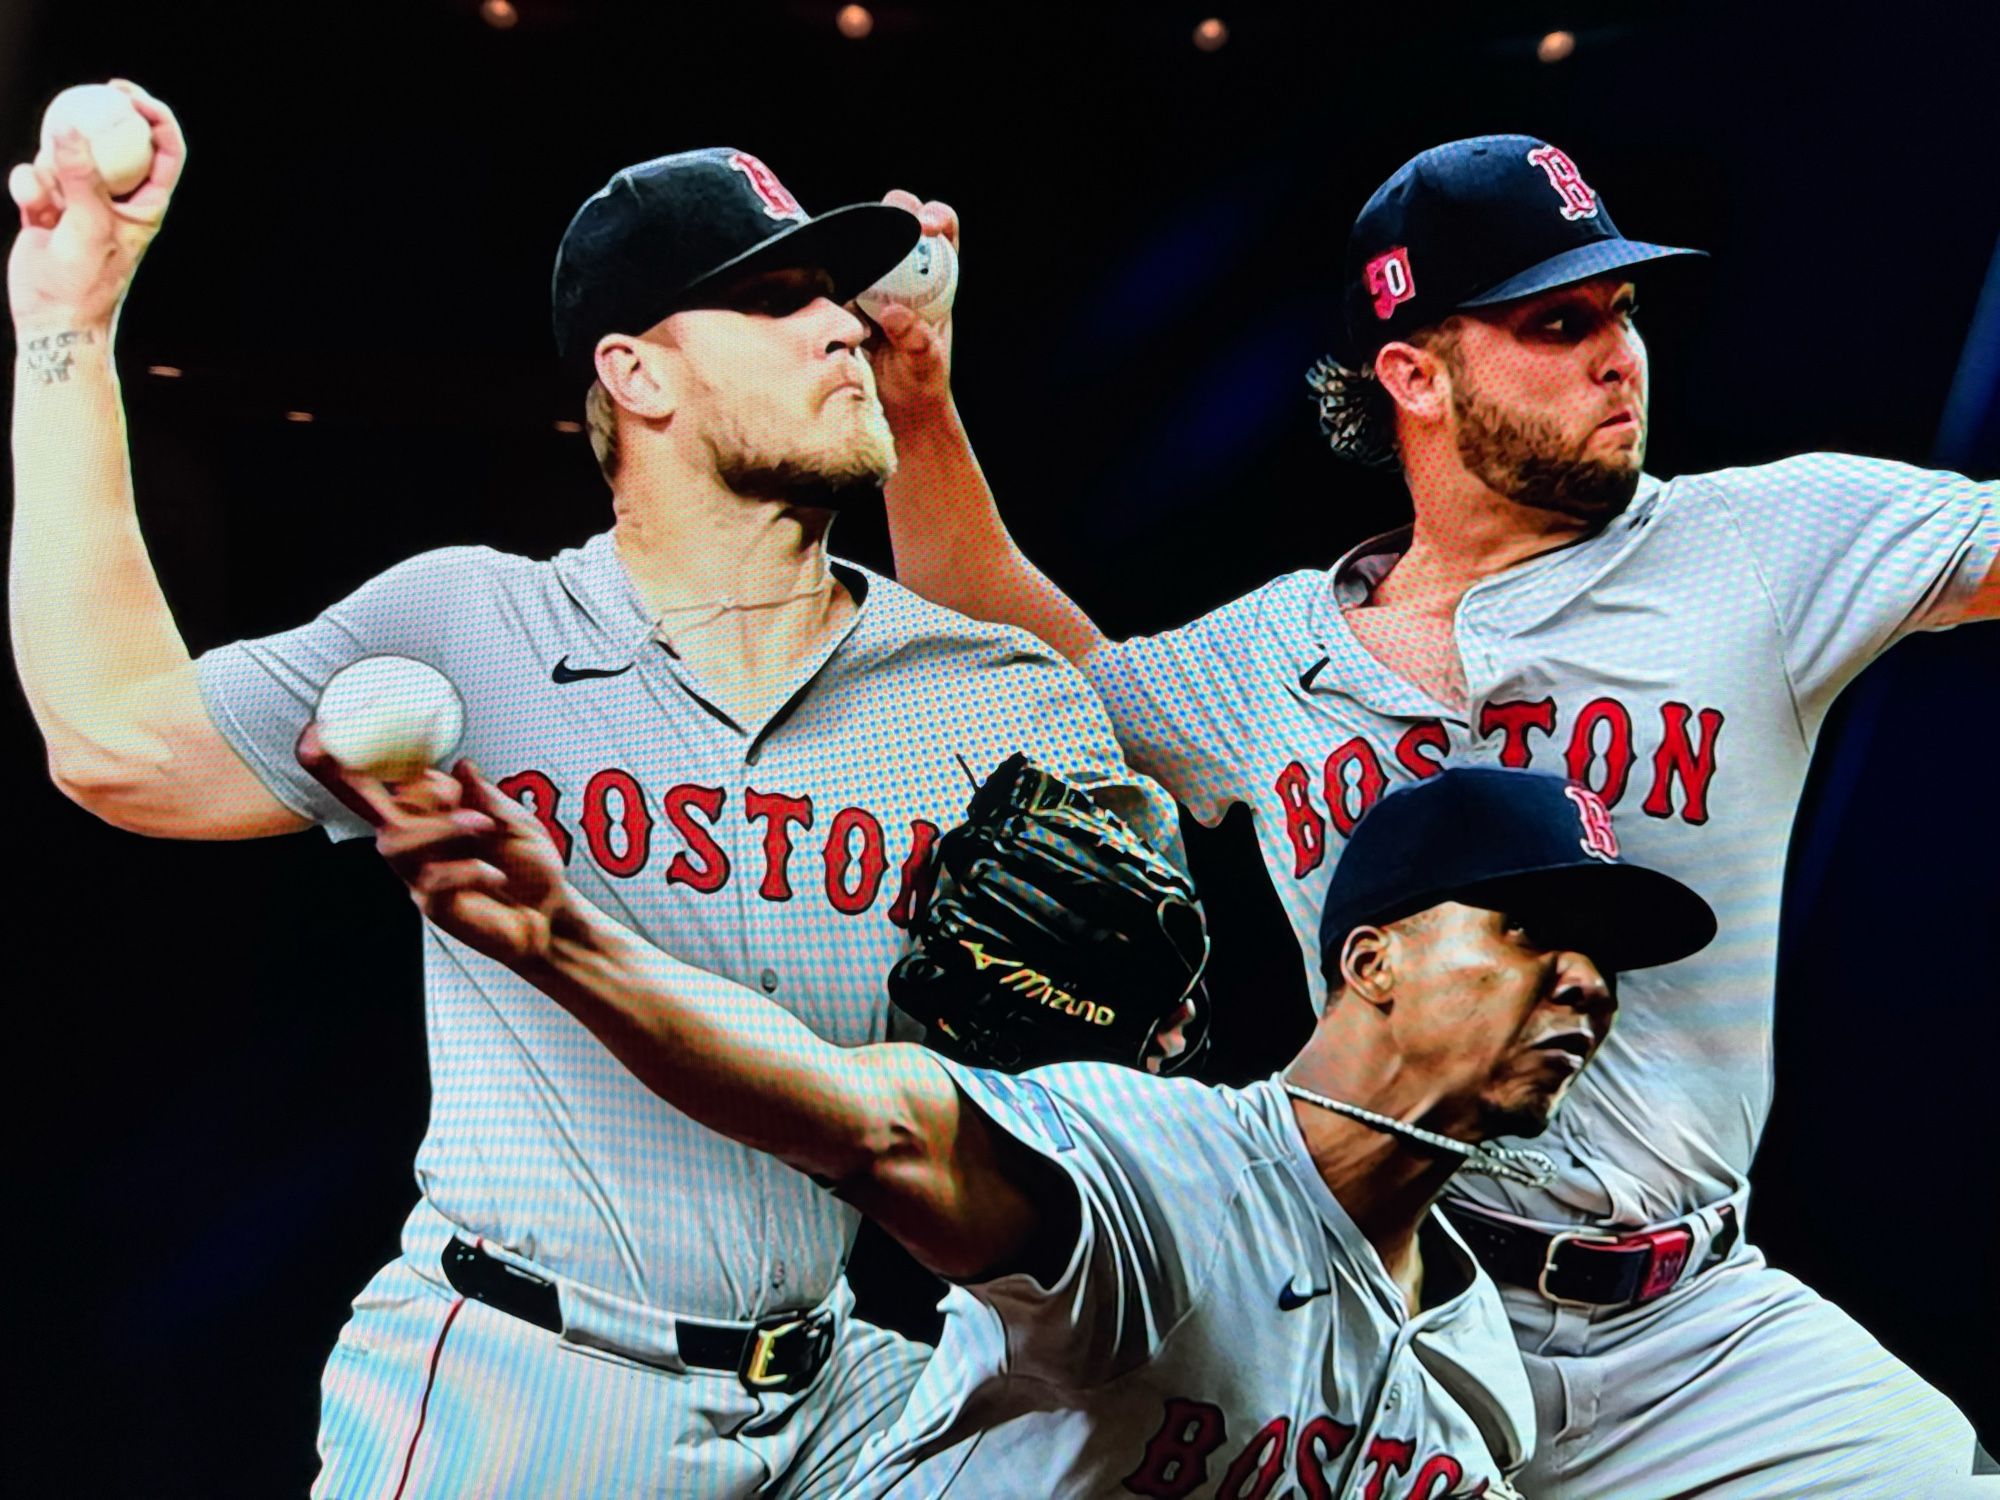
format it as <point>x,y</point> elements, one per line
<point>49,358</point>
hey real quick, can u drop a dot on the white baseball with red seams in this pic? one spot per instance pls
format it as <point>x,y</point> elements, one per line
<point>925,281</point>
<point>121,139</point>
<point>390,717</point>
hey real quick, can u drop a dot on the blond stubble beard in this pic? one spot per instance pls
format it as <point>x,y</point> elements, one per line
<point>762,465</point>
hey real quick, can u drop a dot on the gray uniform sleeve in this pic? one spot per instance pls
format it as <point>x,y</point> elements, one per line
<point>1053,715</point>
<point>260,693</point>
<point>1183,703</point>
<point>1154,1187</point>
<point>1856,553</point>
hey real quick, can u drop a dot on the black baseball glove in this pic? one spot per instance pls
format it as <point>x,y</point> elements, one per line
<point>1052,933</point>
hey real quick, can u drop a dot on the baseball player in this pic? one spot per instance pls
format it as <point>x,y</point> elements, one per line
<point>740,746</point>
<point>1673,645</point>
<point>1168,1290</point>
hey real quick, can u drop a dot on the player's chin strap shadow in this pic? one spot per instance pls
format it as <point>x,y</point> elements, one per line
<point>1355,413</point>
<point>1516,1164</point>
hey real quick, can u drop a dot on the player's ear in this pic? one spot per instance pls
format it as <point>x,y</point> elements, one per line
<point>1416,379</point>
<point>638,376</point>
<point>1367,965</point>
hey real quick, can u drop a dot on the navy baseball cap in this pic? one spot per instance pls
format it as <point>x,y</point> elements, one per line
<point>1523,842</point>
<point>661,233</point>
<point>1471,223</point>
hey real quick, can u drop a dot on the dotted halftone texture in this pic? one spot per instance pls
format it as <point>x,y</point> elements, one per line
<point>717,844</point>
<point>1200,1206</point>
<point>1680,662</point>
<point>1805,1403</point>
<point>470,1401</point>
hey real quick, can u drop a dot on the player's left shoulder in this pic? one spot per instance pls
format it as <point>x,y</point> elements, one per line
<point>1177,1122</point>
<point>900,621</point>
<point>1819,480</point>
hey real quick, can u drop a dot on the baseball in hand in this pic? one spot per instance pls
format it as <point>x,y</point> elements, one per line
<point>389,717</point>
<point>924,281</point>
<point>121,139</point>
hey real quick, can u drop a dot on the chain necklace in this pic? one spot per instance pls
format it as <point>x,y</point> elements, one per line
<point>1531,1168</point>
<point>717,608</point>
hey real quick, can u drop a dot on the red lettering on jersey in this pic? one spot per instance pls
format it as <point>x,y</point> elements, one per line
<point>782,812</point>
<point>1678,759</point>
<point>1390,280</point>
<point>1440,1472</point>
<point>1385,1456</point>
<point>1515,720</point>
<point>541,796</point>
<point>1600,840</point>
<point>1303,824</point>
<point>918,874</point>
<point>1366,786</point>
<point>1175,1463</point>
<point>1321,1442</point>
<point>1429,734</point>
<point>778,203</point>
<point>1616,751</point>
<point>634,822</point>
<point>874,860</point>
<point>1261,1464</point>
<point>1579,202</point>
<point>714,867</point>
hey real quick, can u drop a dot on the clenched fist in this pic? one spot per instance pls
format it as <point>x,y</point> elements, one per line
<point>75,256</point>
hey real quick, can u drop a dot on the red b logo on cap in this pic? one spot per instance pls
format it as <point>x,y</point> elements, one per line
<point>1579,202</point>
<point>1599,840</point>
<point>778,203</point>
<point>1390,280</point>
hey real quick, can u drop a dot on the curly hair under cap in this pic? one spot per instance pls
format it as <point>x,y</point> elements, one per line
<point>1355,413</point>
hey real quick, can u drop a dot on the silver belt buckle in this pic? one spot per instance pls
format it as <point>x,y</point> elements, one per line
<point>1556,1242</point>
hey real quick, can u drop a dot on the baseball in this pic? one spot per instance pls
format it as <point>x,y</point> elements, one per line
<point>389,717</point>
<point>925,281</point>
<point>121,139</point>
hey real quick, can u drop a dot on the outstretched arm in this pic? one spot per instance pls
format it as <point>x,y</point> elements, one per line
<point>101,661</point>
<point>950,543</point>
<point>883,1125</point>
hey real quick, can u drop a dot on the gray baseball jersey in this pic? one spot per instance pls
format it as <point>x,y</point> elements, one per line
<point>780,855</point>
<point>1680,662</point>
<point>1221,1329</point>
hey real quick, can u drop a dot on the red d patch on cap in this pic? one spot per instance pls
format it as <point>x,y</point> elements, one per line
<point>1390,280</point>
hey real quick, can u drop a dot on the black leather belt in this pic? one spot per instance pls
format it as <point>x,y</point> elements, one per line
<point>1588,1267</point>
<point>780,1354</point>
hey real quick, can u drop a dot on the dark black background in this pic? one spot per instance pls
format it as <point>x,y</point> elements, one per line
<point>216,1061</point>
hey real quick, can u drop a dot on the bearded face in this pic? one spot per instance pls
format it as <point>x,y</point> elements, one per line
<point>1548,397</point>
<point>825,449</point>
<point>772,394</point>
<point>1535,460</point>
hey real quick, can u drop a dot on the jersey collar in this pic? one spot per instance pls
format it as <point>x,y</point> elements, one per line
<point>1346,666</point>
<point>1351,668</point>
<point>1453,1260</point>
<point>594,576</point>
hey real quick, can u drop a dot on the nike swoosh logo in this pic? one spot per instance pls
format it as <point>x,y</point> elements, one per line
<point>564,672</point>
<point>1307,677</point>
<point>1290,1297</point>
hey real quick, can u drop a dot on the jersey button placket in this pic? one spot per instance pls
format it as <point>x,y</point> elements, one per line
<point>754,925</point>
<point>1473,633</point>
